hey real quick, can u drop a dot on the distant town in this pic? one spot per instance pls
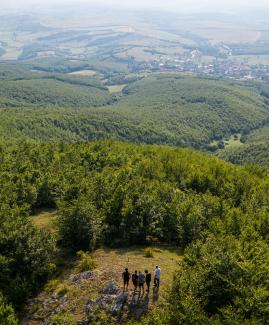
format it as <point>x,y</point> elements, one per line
<point>222,66</point>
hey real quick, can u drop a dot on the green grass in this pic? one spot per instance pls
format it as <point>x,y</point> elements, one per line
<point>116,88</point>
<point>44,219</point>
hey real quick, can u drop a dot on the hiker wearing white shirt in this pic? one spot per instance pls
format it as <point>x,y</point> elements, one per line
<point>157,275</point>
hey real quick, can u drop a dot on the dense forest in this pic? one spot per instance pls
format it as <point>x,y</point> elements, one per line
<point>120,194</point>
<point>255,153</point>
<point>163,109</point>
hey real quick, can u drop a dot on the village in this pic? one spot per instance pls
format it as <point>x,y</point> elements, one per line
<point>223,66</point>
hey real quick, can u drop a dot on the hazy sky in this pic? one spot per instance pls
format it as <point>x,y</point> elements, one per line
<point>184,5</point>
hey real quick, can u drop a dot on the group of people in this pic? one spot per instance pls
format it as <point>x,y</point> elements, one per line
<point>139,279</point>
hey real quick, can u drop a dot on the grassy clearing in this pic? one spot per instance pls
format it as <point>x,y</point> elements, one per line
<point>110,264</point>
<point>44,219</point>
<point>87,73</point>
<point>115,260</point>
<point>115,89</point>
<point>233,141</point>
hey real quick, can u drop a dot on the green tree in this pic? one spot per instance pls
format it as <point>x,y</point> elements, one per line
<point>79,224</point>
<point>26,256</point>
<point>221,279</point>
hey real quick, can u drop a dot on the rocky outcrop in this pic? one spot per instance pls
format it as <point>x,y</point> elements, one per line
<point>88,275</point>
<point>111,288</point>
<point>42,310</point>
<point>118,304</point>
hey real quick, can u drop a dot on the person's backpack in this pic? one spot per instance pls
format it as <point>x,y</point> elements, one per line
<point>134,277</point>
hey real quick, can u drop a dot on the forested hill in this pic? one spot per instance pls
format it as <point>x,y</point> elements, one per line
<point>120,194</point>
<point>253,153</point>
<point>162,109</point>
<point>254,148</point>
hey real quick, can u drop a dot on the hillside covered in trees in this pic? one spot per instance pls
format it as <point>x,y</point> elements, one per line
<point>163,109</point>
<point>116,194</point>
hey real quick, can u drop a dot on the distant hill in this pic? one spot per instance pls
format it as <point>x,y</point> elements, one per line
<point>47,92</point>
<point>163,109</point>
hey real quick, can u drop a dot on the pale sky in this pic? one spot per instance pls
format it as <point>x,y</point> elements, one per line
<point>184,5</point>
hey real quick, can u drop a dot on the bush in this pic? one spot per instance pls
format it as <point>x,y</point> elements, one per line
<point>86,262</point>
<point>7,314</point>
<point>149,252</point>
<point>62,289</point>
<point>52,285</point>
<point>57,287</point>
<point>63,319</point>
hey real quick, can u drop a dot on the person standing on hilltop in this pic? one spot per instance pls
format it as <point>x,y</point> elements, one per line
<point>126,279</point>
<point>135,280</point>
<point>157,275</point>
<point>148,279</point>
<point>141,281</point>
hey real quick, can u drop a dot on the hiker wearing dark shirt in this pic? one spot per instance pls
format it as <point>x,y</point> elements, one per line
<point>126,278</point>
<point>148,279</point>
<point>135,280</point>
<point>141,281</point>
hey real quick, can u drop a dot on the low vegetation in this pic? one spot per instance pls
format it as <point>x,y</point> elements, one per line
<point>149,252</point>
<point>86,262</point>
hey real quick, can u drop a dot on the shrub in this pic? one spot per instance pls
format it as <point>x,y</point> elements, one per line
<point>149,252</point>
<point>52,285</point>
<point>57,287</point>
<point>86,262</point>
<point>63,319</point>
<point>7,314</point>
<point>62,289</point>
